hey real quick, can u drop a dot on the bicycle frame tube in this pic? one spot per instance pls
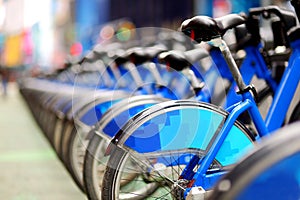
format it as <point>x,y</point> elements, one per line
<point>282,99</point>
<point>200,175</point>
<point>207,180</point>
<point>247,70</point>
<point>261,67</point>
<point>285,91</point>
<point>253,64</point>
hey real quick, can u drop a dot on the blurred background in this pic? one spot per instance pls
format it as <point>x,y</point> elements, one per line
<point>40,35</point>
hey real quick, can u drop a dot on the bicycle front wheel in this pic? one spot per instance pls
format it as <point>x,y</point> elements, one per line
<point>153,150</point>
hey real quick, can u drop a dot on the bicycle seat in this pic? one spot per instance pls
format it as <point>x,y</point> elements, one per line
<point>139,55</point>
<point>174,59</point>
<point>103,49</point>
<point>90,57</point>
<point>204,28</point>
<point>181,60</point>
<point>154,51</point>
<point>121,58</point>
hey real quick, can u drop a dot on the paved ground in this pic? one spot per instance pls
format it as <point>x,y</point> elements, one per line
<point>29,168</point>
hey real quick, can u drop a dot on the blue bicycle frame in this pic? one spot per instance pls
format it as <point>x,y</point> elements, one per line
<point>274,120</point>
<point>203,176</point>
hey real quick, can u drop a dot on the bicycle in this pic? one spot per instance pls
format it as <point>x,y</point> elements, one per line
<point>211,156</point>
<point>178,62</point>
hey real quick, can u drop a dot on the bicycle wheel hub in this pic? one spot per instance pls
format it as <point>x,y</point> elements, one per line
<point>178,188</point>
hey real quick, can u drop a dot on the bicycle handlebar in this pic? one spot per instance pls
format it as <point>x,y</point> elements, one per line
<point>286,16</point>
<point>296,5</point>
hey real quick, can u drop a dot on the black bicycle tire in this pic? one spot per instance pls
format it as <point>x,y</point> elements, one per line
<point>95,140</point>
<point>69,162</point>
<point>111,173</point>
<point>88,166</point>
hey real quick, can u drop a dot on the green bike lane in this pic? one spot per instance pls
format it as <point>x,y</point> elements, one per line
<point>29,168</point>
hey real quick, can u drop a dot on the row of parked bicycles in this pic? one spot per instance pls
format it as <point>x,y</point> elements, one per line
<point>181,114</point>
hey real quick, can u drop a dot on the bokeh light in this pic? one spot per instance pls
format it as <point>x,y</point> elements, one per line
<point>107,32</point>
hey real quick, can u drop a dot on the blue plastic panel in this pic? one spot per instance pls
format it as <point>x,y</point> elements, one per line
<point>119,120</point>
<point>280,181</point>
<point>93,115</point>
<point>188,128</point>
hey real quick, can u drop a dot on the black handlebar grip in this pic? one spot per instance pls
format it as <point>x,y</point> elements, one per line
<point>296,5</point>
<point>286,16</point>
